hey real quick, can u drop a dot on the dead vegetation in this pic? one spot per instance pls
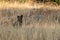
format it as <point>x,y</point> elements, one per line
<point>40,22</point>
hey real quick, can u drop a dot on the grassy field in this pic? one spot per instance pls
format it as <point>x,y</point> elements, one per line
<point>40,21</point>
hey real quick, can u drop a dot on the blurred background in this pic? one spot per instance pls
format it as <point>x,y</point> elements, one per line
<point>44,1</point>
<point>41,19</point>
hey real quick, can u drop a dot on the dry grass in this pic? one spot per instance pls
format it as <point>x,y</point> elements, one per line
<point>39,22</point>
<point>29,5</point>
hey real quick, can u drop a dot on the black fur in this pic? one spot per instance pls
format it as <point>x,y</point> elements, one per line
<point>19,21</point>
<point>19,18</point>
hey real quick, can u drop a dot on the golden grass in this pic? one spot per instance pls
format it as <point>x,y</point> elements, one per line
<point>27,5</point>
<point>46,28</point>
